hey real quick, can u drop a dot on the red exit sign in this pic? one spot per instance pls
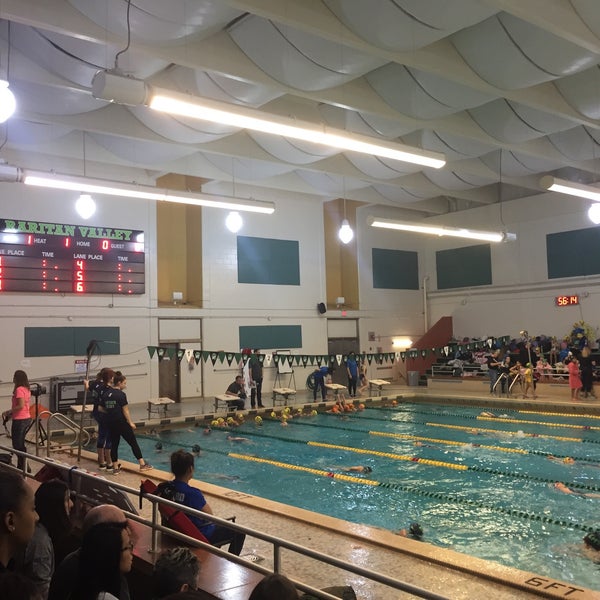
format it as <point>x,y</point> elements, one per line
<point>572,300</point>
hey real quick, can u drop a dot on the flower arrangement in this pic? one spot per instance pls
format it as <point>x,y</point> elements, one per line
<point>580,335</point>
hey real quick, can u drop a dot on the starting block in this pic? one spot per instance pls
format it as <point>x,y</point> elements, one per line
<point>284,392</point>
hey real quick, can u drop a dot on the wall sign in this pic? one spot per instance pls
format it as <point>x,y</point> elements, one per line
<point>571,300</point>
<point>78,259</point>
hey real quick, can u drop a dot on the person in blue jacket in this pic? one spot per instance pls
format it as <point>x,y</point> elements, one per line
<point>352,370</point>
<point>321,376</point>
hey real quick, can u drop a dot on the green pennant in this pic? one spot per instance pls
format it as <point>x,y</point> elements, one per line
<point>197,356</point>
<point>238,357</point>
<point>206,355</point>
<point>180,354</point>
<point>311,360</point>
<point>151,351</point>
<point>229,357</point>
<point>221,356</point>
<point>423,353</point>
<point>402,356</point>
<point>213,357</point>
<point>297,358</point>
<point>276,359</point>
<point>304,360</point>
<point>245,358</point>
<point>369,358</point>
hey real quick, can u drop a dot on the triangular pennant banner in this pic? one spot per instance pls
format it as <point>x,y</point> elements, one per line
<point>297,358</point>
<point>213,357</point>
<point>151,351</point>
<point>397,356</point>
<point>446,350</point>
<point>189,354</point>
<point>402,356</point>
<point>338,359</point>
<point>171,352</point>
<point>304,360</point>
<point>268,359</point>
<point>369,358</point>
<point>206,355</point>
<point>244,358</point>
<point>276,359</point>
<point>229,356</point>
<point>160,352</point>
<point>221,356</point>
<point>197,356</point>
<point>423,353</point>
<point>180,354</point>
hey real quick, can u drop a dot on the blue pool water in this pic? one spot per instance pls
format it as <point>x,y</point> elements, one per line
<point>491,495</point>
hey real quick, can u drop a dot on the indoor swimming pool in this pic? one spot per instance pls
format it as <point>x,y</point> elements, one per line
<point>481,485</point>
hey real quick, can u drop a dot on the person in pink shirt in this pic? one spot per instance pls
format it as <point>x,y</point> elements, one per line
<point>19,413</point>
<point>574,378</point>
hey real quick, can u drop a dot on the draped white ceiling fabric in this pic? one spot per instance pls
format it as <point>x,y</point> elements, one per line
<point>508,90</point>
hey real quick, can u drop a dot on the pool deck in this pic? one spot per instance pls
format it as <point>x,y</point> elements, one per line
<point>443,571</point>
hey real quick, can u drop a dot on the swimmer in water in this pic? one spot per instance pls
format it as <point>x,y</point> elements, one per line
<point>591,545</point>
<point>239,439</point>
<point>414,531</point>
<point>355,469</point>
<point>565,489</point>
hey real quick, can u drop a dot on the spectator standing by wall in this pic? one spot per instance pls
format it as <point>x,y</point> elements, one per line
<point>256,380</point>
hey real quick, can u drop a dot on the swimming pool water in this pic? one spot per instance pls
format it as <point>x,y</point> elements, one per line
<point>489,494</point>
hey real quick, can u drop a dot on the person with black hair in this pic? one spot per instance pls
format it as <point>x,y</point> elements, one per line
<point>17,517</point>
<point>182,467</point>
<point>175,570</point>
<point>53,538</point>
<point>237,392</point>
<point>321,376</point>
<point>274,587</point>
<point>106,555</point>
<point>591,544</point>
<point>19,413</point>
<point>103,382</point>
<point>256,380</point>
<point>120,423</point>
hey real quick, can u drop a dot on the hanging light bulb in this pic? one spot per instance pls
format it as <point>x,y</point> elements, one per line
<point>8,104</point>
<point>85,206</point>
<point>345,233</point>
<point>594,213</point>
<point>234,221</point>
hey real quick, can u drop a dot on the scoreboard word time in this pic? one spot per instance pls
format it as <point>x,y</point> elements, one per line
<point>70,259</point>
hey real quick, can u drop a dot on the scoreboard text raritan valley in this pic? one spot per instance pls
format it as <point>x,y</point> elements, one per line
<point>74,259</point>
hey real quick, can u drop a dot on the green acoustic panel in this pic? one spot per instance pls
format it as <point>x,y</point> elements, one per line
<point>267,261</point>
<point>464,267</point>
<point>271,337</point>
<point>395,269</point>
<point>71,341</point>
<point>573,253</point>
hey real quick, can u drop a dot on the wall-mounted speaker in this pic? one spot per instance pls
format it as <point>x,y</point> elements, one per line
<point>321,308</point>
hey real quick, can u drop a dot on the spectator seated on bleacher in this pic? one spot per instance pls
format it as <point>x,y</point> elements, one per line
<point>179,490</point>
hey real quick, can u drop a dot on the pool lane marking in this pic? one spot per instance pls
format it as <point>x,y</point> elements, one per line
<point>448,442</point>
<point>418,491</point>
<point>545,423</point>
<point>553,414</point>
<point>511,433</point>
<point>276,463</point>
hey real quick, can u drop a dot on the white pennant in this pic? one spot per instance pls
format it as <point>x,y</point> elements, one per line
<point>268,359</point>
<point>338,357</point>
<point>189,354</point>
<point>446,350</point>
<point>490,341</point>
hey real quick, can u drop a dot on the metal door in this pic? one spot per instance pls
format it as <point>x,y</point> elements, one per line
<point>169,384</point>
<point>341,346</point>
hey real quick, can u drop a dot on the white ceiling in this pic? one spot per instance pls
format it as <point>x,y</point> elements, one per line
<point>508,90</point>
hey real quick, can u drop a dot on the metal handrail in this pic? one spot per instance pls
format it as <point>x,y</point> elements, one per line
<point>66,422</point>
<point>278,543</point>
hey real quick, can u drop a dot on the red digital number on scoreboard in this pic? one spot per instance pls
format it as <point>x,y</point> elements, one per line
<point>571,300</point>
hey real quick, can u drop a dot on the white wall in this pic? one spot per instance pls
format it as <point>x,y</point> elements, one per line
<point>521,297</point>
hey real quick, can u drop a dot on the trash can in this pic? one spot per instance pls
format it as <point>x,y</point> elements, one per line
<point>413,378</point>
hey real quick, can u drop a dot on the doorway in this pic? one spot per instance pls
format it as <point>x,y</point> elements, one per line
<point>169,380</point>
<point>341,346</point>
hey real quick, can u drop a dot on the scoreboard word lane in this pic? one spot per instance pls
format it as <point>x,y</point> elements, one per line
<point>78,259</point>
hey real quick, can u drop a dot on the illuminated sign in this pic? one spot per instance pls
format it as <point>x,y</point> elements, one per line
<point>572,300</point>
<point>58,258</point>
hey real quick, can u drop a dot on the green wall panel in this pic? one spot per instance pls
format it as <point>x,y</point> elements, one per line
<point>268,261</point>
<point>271,337</point>
<point>395,269</point>
<point>573,253</point>
<point>464,267</point>
<point>70,341</point>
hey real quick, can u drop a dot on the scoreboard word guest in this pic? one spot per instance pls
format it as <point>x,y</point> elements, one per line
<point>70,259</point>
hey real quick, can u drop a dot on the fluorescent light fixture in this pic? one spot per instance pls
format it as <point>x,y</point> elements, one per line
<point>553,184</point>
<point>8,103</point>
<point>486,236</point>
<point>345,232</point>
<point>594,214</point>
<point>144,192</point>
<point>115,87</point>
